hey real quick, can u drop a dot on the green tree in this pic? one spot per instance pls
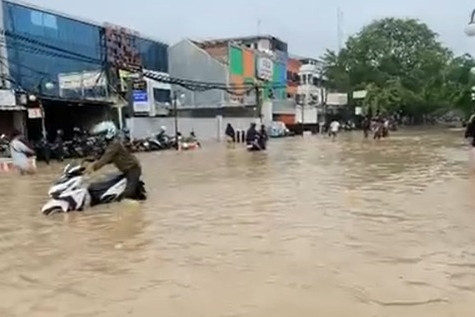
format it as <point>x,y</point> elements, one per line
<point>458,81</point>
<point>403,66</point>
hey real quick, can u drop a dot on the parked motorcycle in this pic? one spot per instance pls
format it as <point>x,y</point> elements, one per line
<point>70,193</point>
<point>4,146</point>
<point>43,150</point>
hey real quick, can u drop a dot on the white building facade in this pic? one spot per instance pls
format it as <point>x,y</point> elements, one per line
<point>311,93</point>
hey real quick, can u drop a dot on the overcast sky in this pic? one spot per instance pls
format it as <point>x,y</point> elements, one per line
<point>309,26</point>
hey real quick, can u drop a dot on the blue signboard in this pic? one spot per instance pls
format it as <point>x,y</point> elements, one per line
<point>140,96</point>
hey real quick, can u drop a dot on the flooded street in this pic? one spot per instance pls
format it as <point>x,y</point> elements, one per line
<point>311,228</point>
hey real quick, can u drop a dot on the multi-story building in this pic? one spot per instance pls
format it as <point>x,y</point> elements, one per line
<point>255,57</point>
<point>311,93</point>
<point>311,90</point>
<point>64,61</point>
<point>241,64</point>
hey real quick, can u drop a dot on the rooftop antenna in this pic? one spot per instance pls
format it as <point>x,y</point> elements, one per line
<point>259,23</point>
<point>339,22</point>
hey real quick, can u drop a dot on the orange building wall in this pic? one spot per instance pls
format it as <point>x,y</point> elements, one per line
<point>249,63</point>
<point>288,119</point>
<point>237,81</point>
<point>293,68</point>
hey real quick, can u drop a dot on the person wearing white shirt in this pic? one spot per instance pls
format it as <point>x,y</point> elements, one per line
<point>334,128</point>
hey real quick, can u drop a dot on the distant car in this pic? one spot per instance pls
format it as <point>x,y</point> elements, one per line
<point>278,129</point>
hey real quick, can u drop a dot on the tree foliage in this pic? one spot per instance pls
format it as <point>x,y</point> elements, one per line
<point>403,66</point>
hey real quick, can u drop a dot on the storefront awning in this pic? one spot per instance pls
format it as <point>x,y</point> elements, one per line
<point>76,102</point>
<point>12,108</point>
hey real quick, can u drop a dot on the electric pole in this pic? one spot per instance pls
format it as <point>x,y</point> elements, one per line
<point>339,21</point>
<point>257,91</point>
<point>303,113</point>
<point>175,113</point>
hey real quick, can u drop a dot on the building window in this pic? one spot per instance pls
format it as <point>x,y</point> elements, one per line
<point>316,82</point>
<point>161,95</point>
<point>49,21</point>
<point>42,19</point>
<point>36,18</point>
<point>30,66</point>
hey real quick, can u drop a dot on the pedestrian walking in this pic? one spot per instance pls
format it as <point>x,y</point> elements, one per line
<point>334,129</point>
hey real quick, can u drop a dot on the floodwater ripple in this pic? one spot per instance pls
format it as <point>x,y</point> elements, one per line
<point>310,228</point>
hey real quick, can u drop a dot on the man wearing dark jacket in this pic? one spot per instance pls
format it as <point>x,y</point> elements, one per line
<point>251,134</point>
<point>116,153</point>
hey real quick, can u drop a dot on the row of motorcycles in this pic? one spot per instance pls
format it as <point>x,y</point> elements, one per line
<point>158,142</point>
<point>82,145</point>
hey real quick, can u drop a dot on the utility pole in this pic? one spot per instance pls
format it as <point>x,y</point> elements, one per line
<point>303,112</point>
<point>175,113</point>
<point>39,99</point>
<point>339,21</point>
<point>257,91</point>
<point>42,109</point>
<point>322,95</point>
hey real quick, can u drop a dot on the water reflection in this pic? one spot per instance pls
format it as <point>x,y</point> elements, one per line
<point>313,227</point>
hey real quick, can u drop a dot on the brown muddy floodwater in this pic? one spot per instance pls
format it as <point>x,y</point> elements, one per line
<point>311,228</point>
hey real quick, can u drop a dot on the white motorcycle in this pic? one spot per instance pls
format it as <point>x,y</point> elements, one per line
<point>69,193</point>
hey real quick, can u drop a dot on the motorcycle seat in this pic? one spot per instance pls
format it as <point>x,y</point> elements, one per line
<point>103,185</point>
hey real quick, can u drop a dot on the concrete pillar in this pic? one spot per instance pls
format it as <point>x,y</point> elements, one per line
<point>267,112</point>
<point>219,126</point>
<point>4,66</point>
<point>19,121</point>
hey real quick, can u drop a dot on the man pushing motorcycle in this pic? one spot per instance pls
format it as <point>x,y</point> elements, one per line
<point>116,153</point>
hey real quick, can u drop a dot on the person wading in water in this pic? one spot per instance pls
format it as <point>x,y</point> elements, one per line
<point>366,125</point>
<point>117,154</point>
<point>470,133</point>
<point>21,154</point>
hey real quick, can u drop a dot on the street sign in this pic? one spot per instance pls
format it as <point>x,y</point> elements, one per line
<point>141,103</point>
<point>360,94</point>
<point>34,113</point>
<point>265,68</point>
<point>140,96</point>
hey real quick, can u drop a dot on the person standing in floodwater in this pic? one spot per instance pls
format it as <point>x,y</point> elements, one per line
<point>263,137</point>
<point>366,125</point>
<point>230,134</point>
<point>378,129</point>
<point>21,154</point>
<point>470,133</point>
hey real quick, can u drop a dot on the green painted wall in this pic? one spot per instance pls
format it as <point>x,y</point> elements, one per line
<point>236,61</point>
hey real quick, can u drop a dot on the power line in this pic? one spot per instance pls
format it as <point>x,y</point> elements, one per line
<point>27,39</point>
